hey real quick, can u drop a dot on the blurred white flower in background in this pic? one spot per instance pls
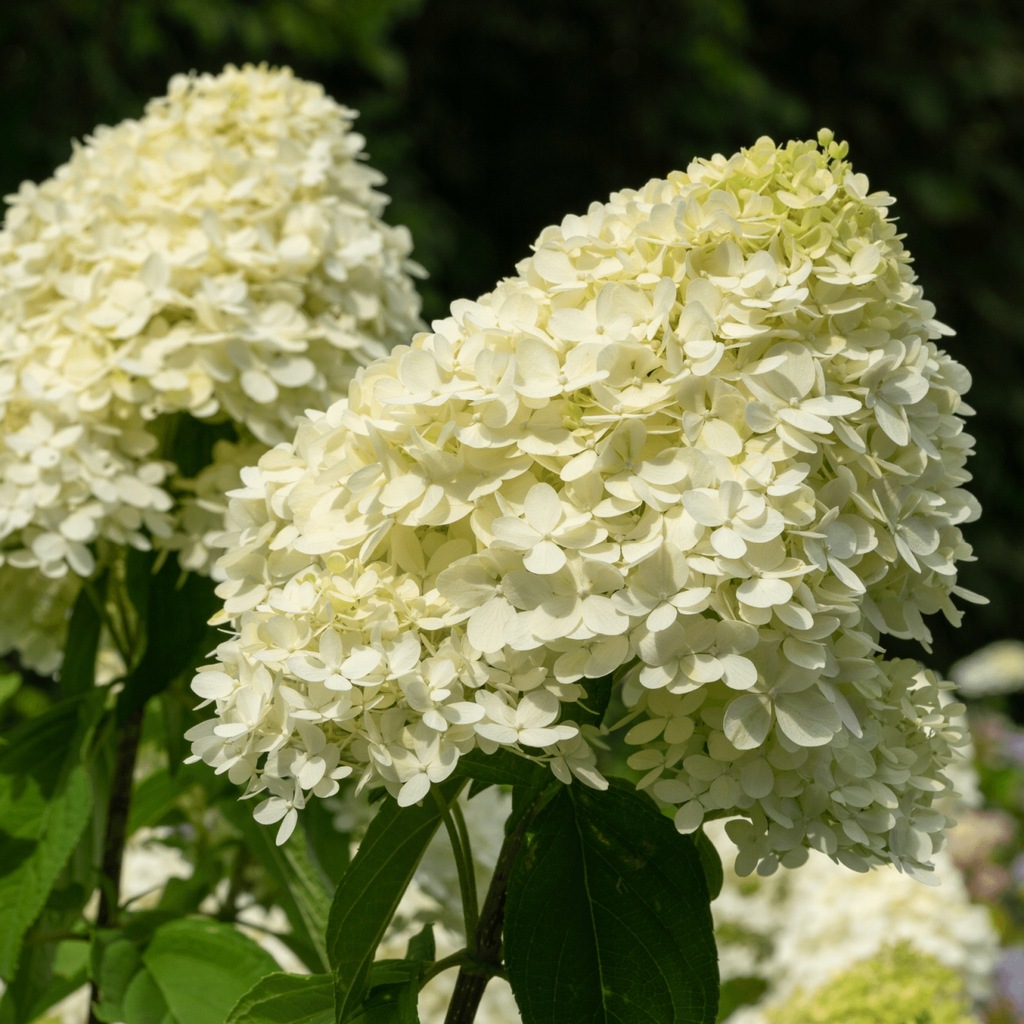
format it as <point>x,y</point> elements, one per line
<point>798,929</point>
<point>992,671</point>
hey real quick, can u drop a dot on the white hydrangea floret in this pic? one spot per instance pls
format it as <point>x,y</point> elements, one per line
<point>704,441</point>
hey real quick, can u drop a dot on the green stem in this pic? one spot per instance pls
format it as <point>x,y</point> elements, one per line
<point>117,625</point>
<point>469,895</point>
<point>458,836</point>
<point>116,831</point>
<point>228,910</point>
<point>117,818</point>
<point>126,618</point>
<point>456,959</point>
<point>485,961</point>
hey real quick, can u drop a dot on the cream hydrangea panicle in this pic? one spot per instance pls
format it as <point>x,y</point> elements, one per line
<point>705,441</point>
<point>223,258</point>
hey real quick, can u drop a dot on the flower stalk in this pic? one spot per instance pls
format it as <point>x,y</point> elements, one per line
<point>116,832</point>
<point>485,960</point>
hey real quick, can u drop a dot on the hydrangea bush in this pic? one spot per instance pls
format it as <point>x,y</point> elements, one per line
<point>704,444</point>
<point>221,259</point>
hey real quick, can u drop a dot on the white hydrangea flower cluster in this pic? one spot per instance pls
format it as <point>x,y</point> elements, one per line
<point>222,257</point>
<point>704,439</point>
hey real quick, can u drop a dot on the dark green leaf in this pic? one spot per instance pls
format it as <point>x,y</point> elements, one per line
<point>47,972</point>
<point>393,990</point>
<point>176,710</point>
<point>177,636</point>
<point>202,968</point>
<point>144,1003</point>
<point>711,862</point>
<point>329,845</point>
<point>502,768</point>
<point>591,709</point>
<point>115,963</point>
<point>189,444</point>
<point>287,999</point>
<point>139,567</point>
<point>308,887</point>
<point>159,793</point>
<point>305,894</point>
<point>10,684</point>
<point>45,805</point>
<point>527,800</point>
<point>372,886</point>
<point>422,945</point>
<point>78,670</point>
<point>388,1004</point>
<point>737,992</point>
<point>393,972</point>
<point>608,918</point>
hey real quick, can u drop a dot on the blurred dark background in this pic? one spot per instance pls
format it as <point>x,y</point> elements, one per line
<point>493,120</point>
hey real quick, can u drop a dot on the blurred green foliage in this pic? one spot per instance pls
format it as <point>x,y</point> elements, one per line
<point>492,121</point>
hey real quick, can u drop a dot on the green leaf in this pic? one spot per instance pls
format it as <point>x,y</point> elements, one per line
<point>158,794</point>
<point>285,999</point>
<point>329,845</point>
<point>608,918</point>
<point>711,862</point>
<point>202,968</point>
<point>422,945</point>
<point>737,992</point>
<point>10,684</point>
<point>385,973</point>
<point>115,962</point>
<point>185,971</point>
<point>144,1003</point>
<point>592,708</point>
<point>78,670</point>
<point>305,892</point>
<point>502,768</point>
<point>189,444</point>
<point>47,972</point>
<point>177,714</point>
<point>372,886</point>
<point>388,1004</point>
<point>45,805</point>
<point>393,993</point>
<point>176,608</point>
